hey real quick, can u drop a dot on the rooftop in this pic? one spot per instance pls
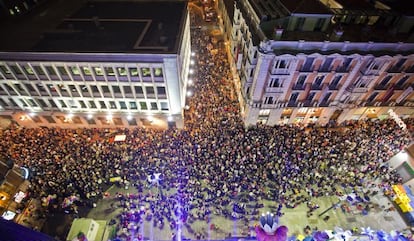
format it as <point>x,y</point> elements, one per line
<point>98,26</point>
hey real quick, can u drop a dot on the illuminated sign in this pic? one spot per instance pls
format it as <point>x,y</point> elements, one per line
<point>397,119</point>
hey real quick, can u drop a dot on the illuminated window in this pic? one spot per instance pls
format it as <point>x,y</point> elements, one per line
<point>74,70</point>
<point>133,71</point>
<point>109,71</point>
<point>146,72</point>
<point>158,72</point>
<point>121,71</point>
<point>28,70</point>
<point>86,70</point>
<point>98,71</point>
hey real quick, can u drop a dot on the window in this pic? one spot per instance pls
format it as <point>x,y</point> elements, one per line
<point>268,100</point>
<point>326,65</point>
<point>28,70</point>
<point>335,81</point>
<point>161,90</point>
<point>372,97</point>
<point>282,64</point>
<point>307,66</point>
<point>105,89</point>
<point>311,96</point>
<point>121,71</point>
<point>23,103</point>
<point>158,72</point>
<point>109,71</point>
<point>123,105</point>
<point>294,97</point>
<point>72,88</point>
<point>16,69</point>
<point>385,81</point>
<point>275,83</point>
<point>133,71</point>
<point>149,90</point>
<point>112,104</point>
<point>98,71</point>
<point>94,88</point>
<point>74,70</point>
<point>50,70</point>
<point>62,70</point>
<point>40,87</point>
<point>116,89</point>
<point>82,104</point>
<point>39,70</point>
<point>32,103</point>
<point>146,72</point>
<point>83,88</point>
<point>52,103</point>
<point>132,105</point>
<point>143,105</point>
<point>4,69</point>
<point>301,80</point>
<point>402,81</point>
<point>127,89</point>
<point>62,104</point>
<point>86,70</point>
<point>326,97</point>
<point>138,90</point>
<point>92,104</point>
<point>318,81</point>
<point>102,104</point>
<point>30,87</point>
<point>164,106</point>
<point>154,106</point>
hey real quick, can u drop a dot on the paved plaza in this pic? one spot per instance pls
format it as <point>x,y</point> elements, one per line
<point>382,215</point>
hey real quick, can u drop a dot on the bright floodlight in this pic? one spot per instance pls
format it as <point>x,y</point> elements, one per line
<point>169,118</point>
<point>69,116</point>
<point>32,114</point>
<point>192,53</point>
<point>190,81</point>
<point>192,62</point>
<point>191,71</point>
<point>189,93</point>
<point>89,116</point>
<point>108,117</point>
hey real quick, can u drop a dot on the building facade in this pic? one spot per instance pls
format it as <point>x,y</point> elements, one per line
<point>322,61</point>
<point>90,71</point>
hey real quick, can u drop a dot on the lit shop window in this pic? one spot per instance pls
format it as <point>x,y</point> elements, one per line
<point>109,71</point>
<point>74,70</point>
<point>133,71</point>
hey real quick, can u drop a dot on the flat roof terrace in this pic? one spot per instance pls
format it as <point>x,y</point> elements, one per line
<point>107,26</point>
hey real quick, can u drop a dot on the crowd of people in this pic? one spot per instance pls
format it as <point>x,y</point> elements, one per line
<point>214,166</point>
